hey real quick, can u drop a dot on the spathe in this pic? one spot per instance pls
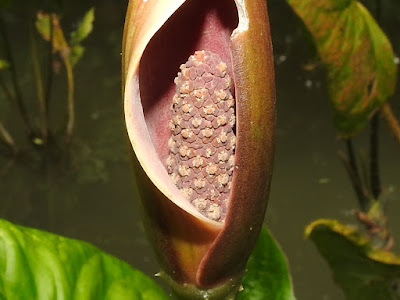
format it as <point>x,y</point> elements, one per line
<point>158,37</point>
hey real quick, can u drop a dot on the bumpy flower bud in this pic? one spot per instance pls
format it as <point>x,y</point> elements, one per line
<point>200,113</point>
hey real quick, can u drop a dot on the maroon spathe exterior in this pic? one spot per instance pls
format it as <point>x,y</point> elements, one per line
<point>255,107</point>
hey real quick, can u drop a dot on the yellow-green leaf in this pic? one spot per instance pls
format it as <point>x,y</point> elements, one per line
<point>360,269</point>
<point>358,57</point>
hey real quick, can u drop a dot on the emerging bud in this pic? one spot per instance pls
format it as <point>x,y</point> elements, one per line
<point>200,113</point>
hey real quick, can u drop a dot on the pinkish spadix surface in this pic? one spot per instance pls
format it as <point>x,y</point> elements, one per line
<point>159,37</point>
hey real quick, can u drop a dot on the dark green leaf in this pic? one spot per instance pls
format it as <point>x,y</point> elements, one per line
<point>362,271</point>
<point>358,56</point>
<point>84,29</point>
<point>267,275</point>
<point>40,265</point>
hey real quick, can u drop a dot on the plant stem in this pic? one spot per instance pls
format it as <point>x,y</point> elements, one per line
<point>14,78</point>
<point>391,121</point>
<point>39,85</point>
<point>6,90</point>
<point>71,109</point>
<point>49,73</point>
<point>375,182</point>
<point>354,174</point>
<point>6,136</point>
<point>374,157</point>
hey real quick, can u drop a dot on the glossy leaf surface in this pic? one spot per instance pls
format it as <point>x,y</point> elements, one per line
<point>362,271</point>
<point>40,265</point>
<point>267,275</point>
<point>358,57</point>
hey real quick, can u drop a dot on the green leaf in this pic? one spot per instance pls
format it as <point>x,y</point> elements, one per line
<point>84,29</point>
<point>361,270</point>
<point>4,64</point>
<point>358,57</point>
<point>267,275</point>
<point>44,24</point>
<point>76,54</point>
<point>40,265</point>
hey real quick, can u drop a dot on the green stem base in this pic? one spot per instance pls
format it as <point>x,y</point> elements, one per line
<point>184,291</point>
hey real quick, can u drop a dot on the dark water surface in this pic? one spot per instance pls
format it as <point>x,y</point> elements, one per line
<point>95,199</point>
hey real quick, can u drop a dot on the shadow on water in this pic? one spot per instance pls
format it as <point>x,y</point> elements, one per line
<point>91,196</point>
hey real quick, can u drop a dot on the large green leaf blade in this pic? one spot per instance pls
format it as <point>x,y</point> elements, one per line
<point>362,271</point>
<point>267,275</point>
<point>40,265</point>
<point>358,57</point>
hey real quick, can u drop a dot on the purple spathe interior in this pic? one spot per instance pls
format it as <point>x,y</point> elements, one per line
<point>196,25</point>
